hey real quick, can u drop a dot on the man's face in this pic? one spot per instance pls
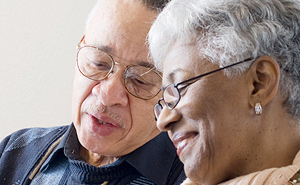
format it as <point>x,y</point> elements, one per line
<point>109,121</point>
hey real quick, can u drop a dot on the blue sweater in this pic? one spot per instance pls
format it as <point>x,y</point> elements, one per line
<point>20,153</point>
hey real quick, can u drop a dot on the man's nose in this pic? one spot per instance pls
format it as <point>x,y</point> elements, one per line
<point>167,119</point>
<point>111,90</point>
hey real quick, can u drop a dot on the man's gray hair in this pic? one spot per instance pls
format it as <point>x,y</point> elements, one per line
<point>155,5</point>
<point>229,31</point>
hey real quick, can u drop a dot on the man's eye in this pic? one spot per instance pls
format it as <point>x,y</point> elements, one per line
<point>103,66</point>
<point>139,81</point>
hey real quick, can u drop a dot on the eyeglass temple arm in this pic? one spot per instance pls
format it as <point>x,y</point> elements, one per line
<point>220,69</point>
<point>81,41</point>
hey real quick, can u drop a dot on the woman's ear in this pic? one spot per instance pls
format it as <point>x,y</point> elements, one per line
<point>264,80</point>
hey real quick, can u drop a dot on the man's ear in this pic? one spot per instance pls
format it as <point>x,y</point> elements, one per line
<point>264,78</point>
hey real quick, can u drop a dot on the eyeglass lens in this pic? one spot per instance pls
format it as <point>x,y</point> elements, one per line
<point>157,109</point>
<point>171,97</point>
<point>140,81</point>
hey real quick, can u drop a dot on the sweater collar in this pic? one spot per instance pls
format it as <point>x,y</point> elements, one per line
<point>153,160</point>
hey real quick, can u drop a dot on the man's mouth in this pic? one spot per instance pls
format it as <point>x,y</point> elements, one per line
<point>102,122</point>
<point>104,119</point>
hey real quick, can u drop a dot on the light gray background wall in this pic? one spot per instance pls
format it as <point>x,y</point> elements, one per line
<point>37,60</point>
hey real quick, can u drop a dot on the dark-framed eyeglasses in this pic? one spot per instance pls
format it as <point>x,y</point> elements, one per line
<point>141,81</point>
<point>172,93</point>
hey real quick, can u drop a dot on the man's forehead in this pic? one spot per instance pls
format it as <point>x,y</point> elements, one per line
<point>109,50</point>
<point>120,28</point>
<point>130,10</point>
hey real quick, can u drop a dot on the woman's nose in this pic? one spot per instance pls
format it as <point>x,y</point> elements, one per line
<point>167,119</point>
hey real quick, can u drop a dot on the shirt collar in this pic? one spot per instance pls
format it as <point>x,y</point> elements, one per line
<point>59,148</point>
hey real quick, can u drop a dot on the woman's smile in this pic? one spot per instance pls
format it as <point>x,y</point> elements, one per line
<point>181,140</point>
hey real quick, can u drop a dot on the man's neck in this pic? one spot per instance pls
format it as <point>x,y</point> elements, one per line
<point>95,159</point>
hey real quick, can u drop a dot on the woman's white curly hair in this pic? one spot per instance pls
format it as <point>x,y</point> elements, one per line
<point>229,31</point>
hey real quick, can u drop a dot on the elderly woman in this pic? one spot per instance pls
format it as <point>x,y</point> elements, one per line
<point>231,88</point>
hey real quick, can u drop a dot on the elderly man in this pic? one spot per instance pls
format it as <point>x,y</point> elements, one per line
<point>113,138</point>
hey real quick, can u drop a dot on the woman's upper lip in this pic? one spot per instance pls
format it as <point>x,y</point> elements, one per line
<point>177,138</point>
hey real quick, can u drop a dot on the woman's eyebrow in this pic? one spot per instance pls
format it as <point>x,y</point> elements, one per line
<point>171,76</point>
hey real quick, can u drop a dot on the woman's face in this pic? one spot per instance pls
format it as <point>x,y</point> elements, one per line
<point>209,126</point>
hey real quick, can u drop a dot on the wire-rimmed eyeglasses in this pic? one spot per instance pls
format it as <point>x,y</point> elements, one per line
<point>141,81</point>
<point>172,93</point>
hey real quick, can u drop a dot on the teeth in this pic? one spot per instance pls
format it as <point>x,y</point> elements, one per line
<point>101,122</point>
<point>182,144</point>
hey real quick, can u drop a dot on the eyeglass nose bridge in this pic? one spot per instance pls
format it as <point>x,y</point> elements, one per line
<point>114,63</point>
<point>158,107</point>
<point>113,70</point>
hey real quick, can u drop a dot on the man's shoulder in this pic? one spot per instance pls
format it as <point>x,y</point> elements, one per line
<point>21,151</point>
<point>31,136</point>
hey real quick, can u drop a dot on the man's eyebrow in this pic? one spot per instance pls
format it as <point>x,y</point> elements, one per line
<point>110,51</point>
<point>106,49</point>
<point>145,64</point>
